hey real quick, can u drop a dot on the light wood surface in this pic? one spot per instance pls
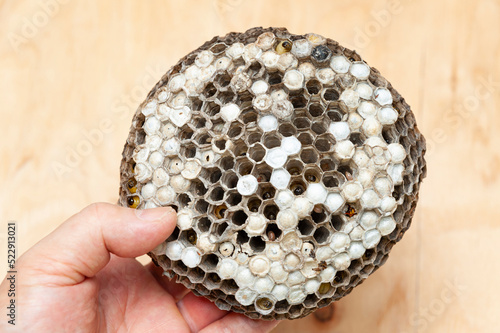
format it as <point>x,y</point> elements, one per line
<point>84,66</point>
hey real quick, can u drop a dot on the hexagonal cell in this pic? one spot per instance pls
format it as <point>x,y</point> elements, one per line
<point>309,156</point>
<point>239,218</point>
<point>287,129</point>
<point>319,127</point>
<point>333,179</point>
<point>335,114</point>
<point>266,192</point>
<point>233,198</point>
<point>216,194</point>
<point>262,172</point>
<point>302,123</point>
<point>273,232</point>
<point>226,97</point>
<point>298,187</point>
<point>337,221</point>
<point>244,166</point>
<point>327,165</point>
<point>257,244</point>
<point>271,140</point>
<point>209,262</point>
<point>229,179</point>
<point>306,227</point>
<point>315,109</point>
<point>305,139</point>
<point>235,130</point>
<point>321,235</point>
<point>204,224</point>
<point>274,78</point>
<point>330,94</point>
<point>271,211</point>
<point>313,87</point>
<point>299,101</point>
<point>254,204</point>
<point>312,174</point>
<point>254,136</point>
<point>211,109</point>
<point>249,116</point>
<point>257,152</point>
<point>201,206</point>
<point>242,237</point>
<point>294,167</point>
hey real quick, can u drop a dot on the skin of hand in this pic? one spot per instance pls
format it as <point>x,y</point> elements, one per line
<point>83,278</point>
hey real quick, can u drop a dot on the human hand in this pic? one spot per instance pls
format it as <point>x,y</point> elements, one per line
<point>83,278</point>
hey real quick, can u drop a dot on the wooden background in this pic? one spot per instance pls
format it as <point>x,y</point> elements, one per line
<point>75,69</point>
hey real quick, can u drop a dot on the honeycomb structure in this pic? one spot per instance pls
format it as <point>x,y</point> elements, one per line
<point>293,165</point>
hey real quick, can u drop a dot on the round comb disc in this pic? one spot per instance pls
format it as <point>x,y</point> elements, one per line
<point>294,167</point>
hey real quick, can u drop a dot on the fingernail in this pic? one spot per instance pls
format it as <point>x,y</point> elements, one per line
<point>153,214</point>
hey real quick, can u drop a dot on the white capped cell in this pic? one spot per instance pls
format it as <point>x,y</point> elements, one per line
<point>280,178</point>
<point>340,130</point>
<point>344,149</point>
<point>280,291</point>
<point>295,278</point>
<point>356,233</point>
<point>395,171</point>
<point>178,100</point>
<point>388,204</point>
<point>247,185</point>
<point>371,238</point>
<point>148,191</point>
<point>160,177</point>
<point>256,225</point>
<point>191,169</point>
<point>142,172</point>
<point>325,75</point>
<point>171,147</point>
<point>268,123</point>
<point>356,250</point>
<point>365,176</point>
<point>286,60</point>
<point>206,74</point>
<point>301,48</point>
<point>387,116</point>
<point>235,50</point>
<point>282,109</point>
<point>367,109</point>
<point>191,257</point>
<point>386,225</point>
<point>311,286</point>
<point>173,250</point>
<point>302,207</point>
<point>154,143</point>
<point>176,82</point>
<point>368,219</point>
<point>292,262</point>
<point>244,277</point>
<point>293,79</point>
<point>151,125</point>
<point>245,296</point>
<point>227,268</point>
<point>364,90</point>
<point>262,102</point>
<point>149,108</point>
<point>277,272</point>
<point>179,183</point>
<point>370,199</point>
<point>270,59</point>
<point>204,58</point>
<point>276,157</point>
<point>266,40</point>
<point>263,285</point>
<point>340,241</point>
<point>327,274</point>
<point>360,70</point>
<point>168,130</point>
<point>259,265</point>
<point>284,199</point>
<point>296,295</point>
<point>371,127</point>
<point>291,145</point>
<point>350,98</point>
<point>204,244</point>
<point>230,112</point>
<point>259,87</point>
<point>334,201</point>
<point>192,72</point>
<point>307,249</point>
<point>185,219</point>
<point>383,96</point>
<point>180,116</point>
<point>165,195</point>
<point>341,261</point>
<point>355,121</point>
<point>398,152</point>
<point>324,253</point>
<point>383,186</point>
<point>287,219</point>
<point>352,191</point>
<point>360,158</point>
<point>316,193</point>
<point>340,64</point>
<point>307,69</point>
<point>251,52</point>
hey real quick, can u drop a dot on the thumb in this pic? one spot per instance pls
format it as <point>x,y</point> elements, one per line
<point>81,246</point>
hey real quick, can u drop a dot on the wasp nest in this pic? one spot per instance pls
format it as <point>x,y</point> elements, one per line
<point>293,165</point>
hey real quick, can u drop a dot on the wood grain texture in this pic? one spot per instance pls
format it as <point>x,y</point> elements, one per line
<point>73,73</point>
